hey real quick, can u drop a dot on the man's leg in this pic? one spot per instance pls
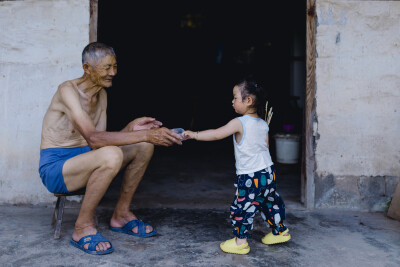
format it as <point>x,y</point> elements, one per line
<point>95,170</point>
<point>136,160</point>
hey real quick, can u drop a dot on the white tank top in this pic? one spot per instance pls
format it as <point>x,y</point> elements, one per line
<point>252,153</point>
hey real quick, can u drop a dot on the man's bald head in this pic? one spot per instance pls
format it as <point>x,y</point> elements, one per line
<point>93,52</point>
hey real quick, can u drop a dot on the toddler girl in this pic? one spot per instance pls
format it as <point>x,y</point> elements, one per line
<point>255,174</point>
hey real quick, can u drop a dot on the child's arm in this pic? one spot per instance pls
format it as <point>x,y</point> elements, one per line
<point>234,126</point>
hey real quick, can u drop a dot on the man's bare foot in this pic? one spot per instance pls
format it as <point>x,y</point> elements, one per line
<point>119,221</point>
<point>80,232</point>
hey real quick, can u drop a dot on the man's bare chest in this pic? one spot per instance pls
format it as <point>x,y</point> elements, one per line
<point>93,109</point>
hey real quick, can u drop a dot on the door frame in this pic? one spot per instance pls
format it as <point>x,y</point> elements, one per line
<point>93,21</point>
<point>308,143</point>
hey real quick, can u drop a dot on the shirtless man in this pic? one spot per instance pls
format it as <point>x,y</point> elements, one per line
<point>78,152</point>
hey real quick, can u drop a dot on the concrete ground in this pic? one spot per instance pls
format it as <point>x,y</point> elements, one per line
<point>186,197</point>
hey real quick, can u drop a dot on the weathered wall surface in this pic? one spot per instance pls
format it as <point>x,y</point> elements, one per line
<point>358,103</point>
<point>40,47</point>
<point>357,98</point>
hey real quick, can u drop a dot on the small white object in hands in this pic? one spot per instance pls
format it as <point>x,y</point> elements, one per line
<point>179,131</point>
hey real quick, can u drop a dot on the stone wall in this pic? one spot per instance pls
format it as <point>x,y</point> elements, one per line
<point>357,103</point>
<point>40,47</point>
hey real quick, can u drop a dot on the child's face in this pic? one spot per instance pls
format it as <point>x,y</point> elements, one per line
<point>237,103</point>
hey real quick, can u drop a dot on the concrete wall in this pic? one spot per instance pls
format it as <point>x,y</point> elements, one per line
<point>358,103</point>
<point>357,151</point>
<point>40,47</point>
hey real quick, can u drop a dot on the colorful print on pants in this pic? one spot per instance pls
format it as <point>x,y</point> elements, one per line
<point>257,192</point>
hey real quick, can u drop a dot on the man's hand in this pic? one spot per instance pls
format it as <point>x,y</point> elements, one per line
<point>143,123</point>
<point>163,137</point>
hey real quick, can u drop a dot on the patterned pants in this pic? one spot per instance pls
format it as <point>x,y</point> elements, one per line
<point>257,192</point>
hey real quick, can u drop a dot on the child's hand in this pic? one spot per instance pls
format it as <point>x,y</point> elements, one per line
<point>188,135</point>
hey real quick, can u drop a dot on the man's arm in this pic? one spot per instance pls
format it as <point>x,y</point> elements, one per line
<point>96,139</point>
<point>143,123</point>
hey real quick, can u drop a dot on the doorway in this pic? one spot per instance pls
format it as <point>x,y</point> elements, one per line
<point>178,62</point>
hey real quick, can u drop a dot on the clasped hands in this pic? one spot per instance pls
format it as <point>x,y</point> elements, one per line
<point>157,135</point>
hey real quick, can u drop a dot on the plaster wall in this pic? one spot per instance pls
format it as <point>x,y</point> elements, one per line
<point>357,103</point>
<point>40,47</point>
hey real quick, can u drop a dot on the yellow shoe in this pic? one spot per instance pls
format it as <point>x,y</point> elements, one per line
<point>270,238</point>
<point>229,246</point>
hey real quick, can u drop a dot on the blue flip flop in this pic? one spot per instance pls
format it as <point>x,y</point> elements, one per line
<point>93,240</point>
<point>127,229</point>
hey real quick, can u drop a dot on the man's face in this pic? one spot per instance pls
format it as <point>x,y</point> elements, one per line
<point>104,71</point>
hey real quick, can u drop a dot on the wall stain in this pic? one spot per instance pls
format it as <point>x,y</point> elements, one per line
<point>338,38</point>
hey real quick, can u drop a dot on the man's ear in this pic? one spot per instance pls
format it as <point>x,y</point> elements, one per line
<point>87,68</point>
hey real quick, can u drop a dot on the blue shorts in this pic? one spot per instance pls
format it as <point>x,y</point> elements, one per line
<point>51,164</point>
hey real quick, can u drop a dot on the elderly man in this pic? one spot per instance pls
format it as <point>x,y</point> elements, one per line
<point>77,151</point>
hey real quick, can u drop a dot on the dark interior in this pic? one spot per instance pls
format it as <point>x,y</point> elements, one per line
<point>179,60</point>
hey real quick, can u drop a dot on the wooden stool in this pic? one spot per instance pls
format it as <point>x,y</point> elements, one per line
<point>59,210</point>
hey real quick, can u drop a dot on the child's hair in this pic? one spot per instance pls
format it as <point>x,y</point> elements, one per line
<point>250,87</point>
